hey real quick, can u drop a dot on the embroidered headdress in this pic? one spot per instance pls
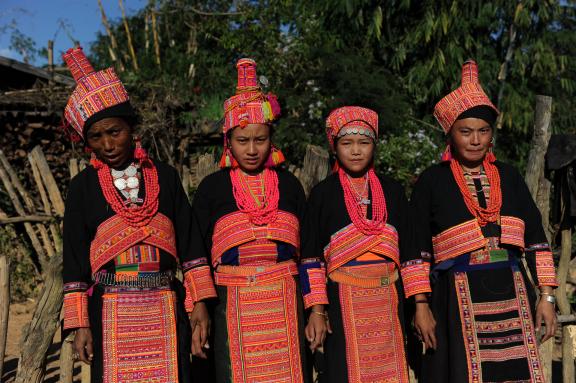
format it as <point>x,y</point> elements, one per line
<point>97,95</point>
<point>469,95</point>
<point>351,120</point>
<point>249,106</point>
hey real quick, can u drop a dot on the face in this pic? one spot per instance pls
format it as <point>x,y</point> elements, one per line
<point>250,146</point>
<point>111,140</point>
<point>355,153</point>
<point>470,138</point>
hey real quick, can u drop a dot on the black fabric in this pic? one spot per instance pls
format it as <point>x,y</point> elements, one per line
<point>123,110</point>
<point>561,151</point>
<point>483,112</point>
<point>214,199</point>
<point>326,214</point>
<point>86,209</point>
<point>438,205</point>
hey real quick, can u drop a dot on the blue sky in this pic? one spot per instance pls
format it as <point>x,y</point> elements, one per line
<point>40,20</point>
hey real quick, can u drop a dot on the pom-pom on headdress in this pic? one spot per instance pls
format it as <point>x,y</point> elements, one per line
<point>467,96</point>
<point>249,106</point>
<point>97,95</point>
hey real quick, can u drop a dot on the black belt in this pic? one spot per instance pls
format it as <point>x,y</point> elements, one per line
<point>152,280</point>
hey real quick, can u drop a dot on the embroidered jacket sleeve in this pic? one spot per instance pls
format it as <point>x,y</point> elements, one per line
<point>420,211</point>
<point>414,270</point>
<point>76,272</point>
<point>195,266</point>
<point>536,248</point>
<point>312,270</point>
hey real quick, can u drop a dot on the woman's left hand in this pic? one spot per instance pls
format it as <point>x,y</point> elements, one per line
<point>545,311</point>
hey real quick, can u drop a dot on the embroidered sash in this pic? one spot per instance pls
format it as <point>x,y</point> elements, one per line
<point>349,243</point>
<point>236,229</point>
<point>114,236</point>
<point>467,237</point>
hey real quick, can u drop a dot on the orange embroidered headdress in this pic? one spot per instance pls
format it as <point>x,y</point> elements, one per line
<point>249,106</point>
<point>97,95</point>
<point>351,120</point>
<point>469,95</point>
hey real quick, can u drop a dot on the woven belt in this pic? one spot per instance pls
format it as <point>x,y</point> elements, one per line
<point>363,281</point>
<point>243,276</point>
<point>152,280</point>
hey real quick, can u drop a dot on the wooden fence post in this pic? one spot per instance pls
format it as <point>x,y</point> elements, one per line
<point>564,306</point>
<point>4,306</point>
<point>539,188</point>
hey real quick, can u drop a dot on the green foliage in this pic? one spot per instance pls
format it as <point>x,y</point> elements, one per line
<point>398,57</point>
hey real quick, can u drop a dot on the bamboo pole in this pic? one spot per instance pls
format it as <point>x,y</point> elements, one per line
<point>20,210</point>
<point>4,306</point>
<point>49,181</point>
<point>129,36</point>
<point>25,218</point>
<point>113,48</point>
<point>156,39</point>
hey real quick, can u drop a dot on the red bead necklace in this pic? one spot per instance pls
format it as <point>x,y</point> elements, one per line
<point>264,213</point>
<point>136,216</point>
<point>492,212</point>
<point>372,226</point>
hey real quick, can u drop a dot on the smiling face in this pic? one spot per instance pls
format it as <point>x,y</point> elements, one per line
<point>470,138</point>
<point>111,140</point>
<point>355,153</point>
<point>250,146</point>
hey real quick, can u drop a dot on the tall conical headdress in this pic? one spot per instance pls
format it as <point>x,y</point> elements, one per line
<point>467,96</point>
<point>97,94</point>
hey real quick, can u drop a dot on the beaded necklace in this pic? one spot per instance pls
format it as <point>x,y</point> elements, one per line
<point>133,215</point>
<point>354,205</point>
<point>492,212</point>
<point>260,214</point>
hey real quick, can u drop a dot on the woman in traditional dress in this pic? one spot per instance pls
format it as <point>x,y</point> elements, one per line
<point>126,228</point>
<point>358,232</point>
<point>247,218</point>
<point>477,221</point>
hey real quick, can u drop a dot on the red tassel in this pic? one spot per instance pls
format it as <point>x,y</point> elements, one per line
<point>275,158</point>
<point>95,162</point>
<point>447,155</point>
<point>490,156</point>
<point>140,153</point>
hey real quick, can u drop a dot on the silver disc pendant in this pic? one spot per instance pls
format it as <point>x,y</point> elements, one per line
<point>134,194</point>
<point>364,201</point>
<point>132,182</point>
<point>131,171</point>
<point>117,173</point>
<point>120,183</point>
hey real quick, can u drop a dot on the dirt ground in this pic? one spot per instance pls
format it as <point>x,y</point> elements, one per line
<point>20,315</point>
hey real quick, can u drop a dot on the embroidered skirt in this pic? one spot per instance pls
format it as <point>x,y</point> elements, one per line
<point>367,341</point>
<point>140,335</point>
<point>258,324</point>
<point>485,331</point>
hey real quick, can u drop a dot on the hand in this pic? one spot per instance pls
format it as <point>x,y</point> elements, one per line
<point>83,345</point>
<point>317,327</point>
<point>200,323</point>
<point>545,311</point>
<point>425,325</point>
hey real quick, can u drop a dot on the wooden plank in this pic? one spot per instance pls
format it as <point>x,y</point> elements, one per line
<point>67,359</point>
<point>49,181</point>
<point>564,306</point>
<point>28,202</point>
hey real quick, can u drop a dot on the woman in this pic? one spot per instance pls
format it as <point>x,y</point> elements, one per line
<point>476,221</point>
<point>247,218</point>
<point>126,228</point>
<point>358,225</point>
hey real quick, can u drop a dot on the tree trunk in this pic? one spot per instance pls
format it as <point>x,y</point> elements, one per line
<point>40,332</point>
<point>4,306</point>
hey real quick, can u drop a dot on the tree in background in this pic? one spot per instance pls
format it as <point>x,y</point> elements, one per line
<point>397,57</point>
